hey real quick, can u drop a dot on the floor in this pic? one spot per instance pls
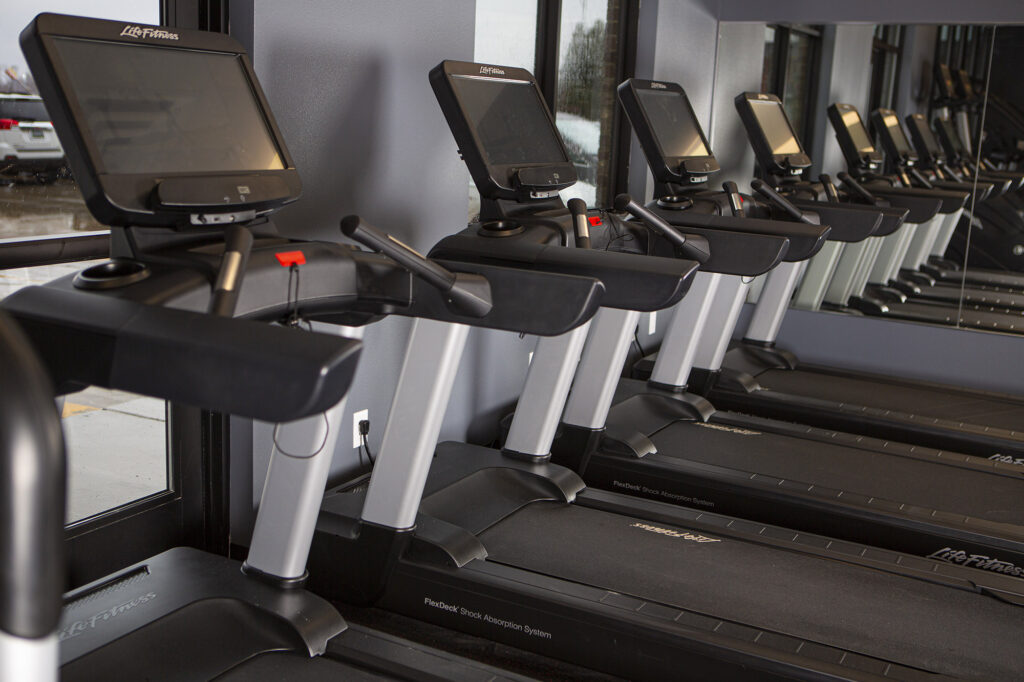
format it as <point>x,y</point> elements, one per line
<point>116,441</point>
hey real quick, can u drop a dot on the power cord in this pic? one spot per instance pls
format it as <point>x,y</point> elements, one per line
<point>364,444</point>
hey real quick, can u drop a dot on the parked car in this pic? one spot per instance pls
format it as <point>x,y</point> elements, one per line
<point>28,143</point>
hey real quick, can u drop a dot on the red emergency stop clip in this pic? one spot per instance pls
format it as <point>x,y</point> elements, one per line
<point>290,258</point>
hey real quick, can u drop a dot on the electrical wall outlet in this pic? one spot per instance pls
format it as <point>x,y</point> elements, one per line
<point>652,322</point>
<point>529,358</point>
<point>356,418</point>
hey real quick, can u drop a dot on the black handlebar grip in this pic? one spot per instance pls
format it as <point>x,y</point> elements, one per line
<point>848,180</point>
<point>237,246</point>
<point>774,197</point>
<point>467,293</point>
<point>830,188</point>
<point>735,201</point>
<point>578,209</point>
<point>624,202</point>
<point>921,179</point>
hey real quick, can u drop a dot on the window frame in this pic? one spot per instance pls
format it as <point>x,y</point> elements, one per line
<point>890,45</point>
<point>780,71</point>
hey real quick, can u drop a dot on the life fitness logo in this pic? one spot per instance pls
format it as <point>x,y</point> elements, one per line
<point>132,31</point>
<point>491,71</point>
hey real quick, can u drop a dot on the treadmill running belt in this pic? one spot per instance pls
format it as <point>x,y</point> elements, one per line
<point>849,468</point>
<point>916,400</point>
<point>914,622</point>
<point>291,667</point>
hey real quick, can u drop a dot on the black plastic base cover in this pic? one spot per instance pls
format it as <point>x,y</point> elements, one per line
<point>186,615</point>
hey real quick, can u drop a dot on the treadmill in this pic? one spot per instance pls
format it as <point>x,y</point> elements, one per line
<point>758,378</point>
<point>904,159</point>
<point>508,545</point>
<point>660,442</point>
<point>189,209</point>
<point>933,159</point>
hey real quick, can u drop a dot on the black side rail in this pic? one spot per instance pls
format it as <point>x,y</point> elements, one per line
<point>694,249</point>
<point>235,366</point>
<point>32,486</point>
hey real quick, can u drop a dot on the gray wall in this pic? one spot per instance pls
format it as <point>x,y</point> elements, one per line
<point>850,82</point>
<point>348,85</point>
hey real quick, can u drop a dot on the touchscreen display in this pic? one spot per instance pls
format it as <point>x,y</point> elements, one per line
<point>509,119</point>
<point>930,143</point>
<point>858,133</point>
<point>775,125</point>
<point>673,123</point>
<point>165,110</point>
<point>899,138</point>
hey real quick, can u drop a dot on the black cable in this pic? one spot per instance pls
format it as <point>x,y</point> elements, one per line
<point>365,444</point>
<point>636,340</point>
<point>615,227</point>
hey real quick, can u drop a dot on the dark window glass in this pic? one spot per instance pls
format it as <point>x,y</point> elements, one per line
<point>790,69</point>
<point>23,109</point>
<point>131,101</point>
<point>885,63</point>
<point>771,55</point>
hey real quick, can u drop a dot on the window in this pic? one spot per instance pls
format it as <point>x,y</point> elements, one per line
<point>791,56</point>
<point>590,67</point>
<point>886,51</point>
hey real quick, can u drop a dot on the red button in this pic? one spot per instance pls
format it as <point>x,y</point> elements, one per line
<point>290,258</point>
<point>594,221</point>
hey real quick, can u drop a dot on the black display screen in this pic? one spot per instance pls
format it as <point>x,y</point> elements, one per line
<point>930,143</point>
<point>858,133</point>
<point>673,123</point>
<point>954,137</point>
<point>510,121</point>
<point>775,125</point>
<point>164,110</point>
<point>892,124</point>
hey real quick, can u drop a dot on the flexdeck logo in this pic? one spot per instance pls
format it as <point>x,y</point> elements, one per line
<point>668,532</point>
<point>985,563</point>
<point>80,626</point>
<point>492,71</point>
<point>133,31</point>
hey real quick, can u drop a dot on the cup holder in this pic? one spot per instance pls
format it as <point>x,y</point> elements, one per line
<point>500,228</point>
<point>675,203</point>
<point>117,272</point>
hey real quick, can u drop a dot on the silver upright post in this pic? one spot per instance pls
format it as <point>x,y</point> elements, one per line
<point>778,289</point>
<point>611,332</point>
<point>821,270</point>
<point>838,292</point>
<point>300,463</point>
<point>864,271</point>
<point>29,660</point>
<point>721,323</point>
<point>679,347</point>
<point>547,384</point>
<point>946,233</point>
<point>417,411</point>
<point>922,242</point>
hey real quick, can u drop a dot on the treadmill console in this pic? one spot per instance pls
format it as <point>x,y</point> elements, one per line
<point>853,138</point>
<point>944,82</point>
<point>886,123</point>
<point>964,87</point>
<point>950,139</point>
<point>505,132</point>
<point>776,146</point>
<point>675,146</point>
<point>162,127</point>
<point>928,148</point>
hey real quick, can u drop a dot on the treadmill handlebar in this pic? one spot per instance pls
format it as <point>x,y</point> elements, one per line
<point>578,209</point>
<point>921,179</point>
<point>830,188</point>
<point>237,247</point>
<point>689,248</point>
<point>858,188</point>
<point>467,293</point>
<point>774,197</point>
<point>732,192</point>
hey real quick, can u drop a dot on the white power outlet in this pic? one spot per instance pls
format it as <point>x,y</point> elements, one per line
<point>356,418</point>
<point>529,358</point>
<point>652,322</point>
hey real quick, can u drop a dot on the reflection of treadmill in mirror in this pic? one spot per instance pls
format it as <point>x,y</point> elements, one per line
<point>935,215</point>
<point>172,143</point>
<point>549,574</point>
<point>1000,217</point>
<point>662,443</point>
<point>758,378</point>
<point>933,244</point>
